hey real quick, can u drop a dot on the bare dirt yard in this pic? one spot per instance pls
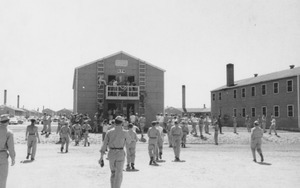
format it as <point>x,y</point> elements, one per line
<point>206,165</point>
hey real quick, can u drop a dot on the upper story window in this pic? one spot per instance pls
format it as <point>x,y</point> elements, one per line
<point>276,87</point>
<point>264,89</point>
<point>213,96</point>
<point>253,91</point>
<point>243,92</point>
<point>220,96</point>
<point>290,110</point>
<point>289,86</point>
<point>234,93</point>
<point>276,111</point>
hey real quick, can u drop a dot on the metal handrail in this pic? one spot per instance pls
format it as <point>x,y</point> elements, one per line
<point>123,91</point>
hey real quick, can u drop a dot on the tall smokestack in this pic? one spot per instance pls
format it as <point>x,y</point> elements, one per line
<point>5,95</point>
<point>183,98</point>
<point>230,74</point>
<point>18,101</point>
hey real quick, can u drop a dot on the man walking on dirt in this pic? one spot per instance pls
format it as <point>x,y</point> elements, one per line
<point>256,135</point>
<point>115,140</point>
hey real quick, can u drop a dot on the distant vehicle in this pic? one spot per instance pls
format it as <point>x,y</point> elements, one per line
<point>13,121</point>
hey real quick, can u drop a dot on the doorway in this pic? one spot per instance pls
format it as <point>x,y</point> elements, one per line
<point>130,110</point>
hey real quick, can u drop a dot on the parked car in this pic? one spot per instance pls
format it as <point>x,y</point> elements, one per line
<point>13,121</point>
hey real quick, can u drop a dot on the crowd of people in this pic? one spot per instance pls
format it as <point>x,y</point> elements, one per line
<point>119,133</point>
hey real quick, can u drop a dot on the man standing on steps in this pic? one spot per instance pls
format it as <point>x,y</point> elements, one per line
<point>115,140</point>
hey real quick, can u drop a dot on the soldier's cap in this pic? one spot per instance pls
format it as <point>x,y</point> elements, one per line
<point>255,122</point>
<point>32,119</point>
<point>4,118</point>
<point>176,122</point>
<point>130,125</point>
<point>154,122</point>
<point>119,120</point>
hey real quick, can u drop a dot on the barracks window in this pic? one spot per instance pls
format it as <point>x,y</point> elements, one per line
<point>244,112</point>
<point>214,96</point>
<point>276,87</point>
<point>234,112</point>
<point>276,111</point>
<point>253,91</point>
<point>264,89</point>
<point>243,92</point>
<point>234,93</point>
<point>264,110</point>
<point>220,96</point>
<point>253,112</point>
<point>290,110</point>
<point>289,86</point>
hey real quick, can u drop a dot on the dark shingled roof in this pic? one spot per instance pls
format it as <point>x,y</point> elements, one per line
<point>263,78</point>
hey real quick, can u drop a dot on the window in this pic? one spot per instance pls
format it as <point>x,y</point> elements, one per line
<point>234,93</point>
<point>244,112</point>
<point>263,89</point>
<point>234,112</point>
<point>276,87</point>
<point>214,96</point>
<point>243,92</point>
<point>289,86</point>
<point>264,110</point>
<point>220,96</point>
<point>253,91</point>
<point>290,110</point>
<point>276,111</point>
<point>253,112</point>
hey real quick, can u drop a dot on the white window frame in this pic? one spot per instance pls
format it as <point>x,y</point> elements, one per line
<point>265,89</point>
<point>287,86</point>
<point>278,111</point>
<point>244,92</point>
<point>234,112</point>
<point>288,110</point>
<point>254,91</point>
<point>262,111</point>
<point>252,112</point>
<point>274,87</point>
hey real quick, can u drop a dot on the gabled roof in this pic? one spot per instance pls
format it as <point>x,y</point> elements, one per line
<point>13,108</point>
<point>263,78</point>
<point>190,110</point>
<point>121,52</point>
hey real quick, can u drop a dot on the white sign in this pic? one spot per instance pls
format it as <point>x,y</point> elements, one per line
<point>121,63</point>
<point>120,71</point>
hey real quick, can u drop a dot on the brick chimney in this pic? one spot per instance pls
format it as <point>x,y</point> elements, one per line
<point>255,75</point>
<point>292,66</point>
<point>5,96</point>
<point>18,101</point>
<point>183,98</point>
<point>230,74</point>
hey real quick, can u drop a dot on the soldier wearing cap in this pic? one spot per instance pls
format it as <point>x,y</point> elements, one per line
<point>176,135</point>
<point>185,131</point>
<point>153,135</point>
<point>45,122</point>
<point>32,136</point>
<point>65,133</point>
<point>273,125</point>
<point>115,140</point>
<point>256,135</point>
<point>130,148</point>
<point>85,131</point>
<point>6,149</point>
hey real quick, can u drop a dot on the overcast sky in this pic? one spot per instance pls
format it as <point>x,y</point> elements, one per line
<point>42,41</point>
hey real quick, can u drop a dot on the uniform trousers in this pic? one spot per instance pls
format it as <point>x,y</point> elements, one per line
<point>31,145</point>
<point>152,145</point>
<point>116,163</point>
<point>65,140</point>
<point>176,145</point>
<point>3,168</point>
<point>130,152</point>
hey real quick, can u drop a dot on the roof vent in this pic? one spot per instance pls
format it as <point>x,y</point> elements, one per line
<point>255,75</point>
<point>292,66</point>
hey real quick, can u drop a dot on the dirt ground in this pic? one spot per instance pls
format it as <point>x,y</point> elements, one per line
<point>206,165</point>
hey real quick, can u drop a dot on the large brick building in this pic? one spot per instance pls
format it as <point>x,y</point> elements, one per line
<point>119,84</point>
<point>270,94</point>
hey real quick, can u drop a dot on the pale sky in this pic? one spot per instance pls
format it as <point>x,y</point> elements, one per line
<point>42,41</point>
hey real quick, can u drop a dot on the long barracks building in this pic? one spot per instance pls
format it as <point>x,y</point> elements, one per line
<point>119,84</point>
<point>275,94</point>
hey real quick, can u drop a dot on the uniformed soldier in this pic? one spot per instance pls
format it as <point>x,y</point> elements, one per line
<point>194,121</point>
<point>48,131</point>
<point>142,123</point>
<point>130,148</point>
<point>234,121</point>
<point>176,135</point>
<point>206,124</point>
<point>85,129</point>
<point>264,122</point>
<point>256,135</point>
<point>65,133</point>
<point>185,131</point>
<point>169,126</point>
<point>32,136</point>
<point>248,123</point>
<point>160,141</point>
<point>201,125</point>
<point>7,148</point>
<point>273,125</point>
<point>104,128</point>
<point>77,133</point>
<point>153,135</point>
<point>216,128</point>
<point>115,140</point>
<point>45,122</point>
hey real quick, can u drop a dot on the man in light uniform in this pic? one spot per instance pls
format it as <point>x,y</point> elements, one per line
<point>32,136</point>
<point>45,122</point>
<point>273,125</point>
<point>194,122</point>
<point>130,148</point>
<point>142,123</point>
<point>7,148</point>
<point>65,133</point>
<point>256,135</point>
<point>153,135</point>
<point>115,140</point>
<point>176,135</point>
<point>160,141</point>
<point>234,121</point>
<point>264,122</point>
